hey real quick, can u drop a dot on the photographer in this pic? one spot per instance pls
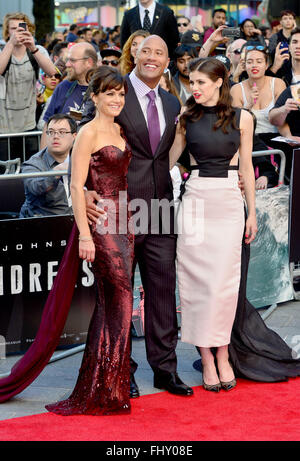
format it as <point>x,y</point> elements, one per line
<point>215,39</point>
<point>20,60</point>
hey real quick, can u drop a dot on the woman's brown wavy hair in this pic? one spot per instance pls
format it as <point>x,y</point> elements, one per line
<point>213,69</point>
<point>126,60</point>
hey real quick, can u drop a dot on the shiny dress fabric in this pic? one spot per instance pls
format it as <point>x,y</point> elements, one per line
<point>103,384</point>
<point>53,320</point>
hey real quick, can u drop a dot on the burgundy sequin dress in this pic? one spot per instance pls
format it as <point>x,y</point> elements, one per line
<point>103,384</point>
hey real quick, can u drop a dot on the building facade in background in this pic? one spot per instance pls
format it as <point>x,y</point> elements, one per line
<point>110,13</point>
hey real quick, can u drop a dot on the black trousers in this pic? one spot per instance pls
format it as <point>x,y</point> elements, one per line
<point>155,255</point>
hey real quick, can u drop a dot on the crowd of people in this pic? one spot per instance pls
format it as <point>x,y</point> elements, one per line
<point>123,109</point>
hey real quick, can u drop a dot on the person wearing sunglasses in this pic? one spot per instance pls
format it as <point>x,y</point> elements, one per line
<point>111,57</point>
<point>234,53</point>
<point>183,24</point>
<point>48,85</point>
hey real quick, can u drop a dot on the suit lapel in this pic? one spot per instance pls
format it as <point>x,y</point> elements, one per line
<point>138,24</point>
<point>168,119</point>
<point>134,116</point>
<point>156,18</point>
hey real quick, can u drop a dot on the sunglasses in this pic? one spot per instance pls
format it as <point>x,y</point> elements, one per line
<point>185,24</point>
<point>114,62</point>
<point>237,51</point>
<point>255,47</point>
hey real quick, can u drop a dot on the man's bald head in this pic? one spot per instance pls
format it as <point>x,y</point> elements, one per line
<point>157,39</point>
<point>82,57</point>
<point>151,60</point>
<point>87,50</point>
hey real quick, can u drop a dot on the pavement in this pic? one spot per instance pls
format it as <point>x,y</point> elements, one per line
<point>58,378</point>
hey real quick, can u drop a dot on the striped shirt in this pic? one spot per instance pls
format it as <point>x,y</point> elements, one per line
<point>141,90</point>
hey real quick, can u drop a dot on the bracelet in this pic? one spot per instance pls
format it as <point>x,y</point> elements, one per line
<point>84,239</point>
<point>35,51</point>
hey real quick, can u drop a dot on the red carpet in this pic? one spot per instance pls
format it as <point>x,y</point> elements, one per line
<point>250,412</point>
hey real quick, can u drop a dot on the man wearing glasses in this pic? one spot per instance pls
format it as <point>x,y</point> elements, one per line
<point>111,56</point>
<point>70,93</point>
<point>49,195</point>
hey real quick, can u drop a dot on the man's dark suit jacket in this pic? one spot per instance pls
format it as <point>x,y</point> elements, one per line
<point>164,24</point>
<point>148,175</point>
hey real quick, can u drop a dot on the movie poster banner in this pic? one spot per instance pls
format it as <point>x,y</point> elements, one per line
<point>294,225</point>
<point>30,252</point>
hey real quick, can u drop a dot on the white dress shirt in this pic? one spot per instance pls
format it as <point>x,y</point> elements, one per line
<point>150,8</point>
<point>141,90</point>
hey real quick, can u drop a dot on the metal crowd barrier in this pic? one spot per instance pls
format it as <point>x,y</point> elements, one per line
<point>7,177</point>
<point>11,166</point>
<point>259,153</point>
<point>295,273</point>
<point>262,153</point>
<point>74,350</point>
<point>23,135</point>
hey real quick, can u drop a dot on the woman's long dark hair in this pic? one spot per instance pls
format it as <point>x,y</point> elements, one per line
<point>213,69</point>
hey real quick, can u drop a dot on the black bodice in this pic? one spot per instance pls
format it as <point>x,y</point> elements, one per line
<point>212,149</point>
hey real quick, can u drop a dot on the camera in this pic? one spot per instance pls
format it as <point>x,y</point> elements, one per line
<point>231,32</point>
<point>23,25</point>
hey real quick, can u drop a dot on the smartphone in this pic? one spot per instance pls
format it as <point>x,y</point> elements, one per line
<point>23,25</point>
<point>231,32</point>
<point>284,45</point>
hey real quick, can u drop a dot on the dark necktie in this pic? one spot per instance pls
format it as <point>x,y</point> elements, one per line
<point>153,121</point>
<point>147,23</point>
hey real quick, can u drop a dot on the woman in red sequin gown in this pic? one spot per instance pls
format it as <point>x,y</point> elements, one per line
<point>100,160</point>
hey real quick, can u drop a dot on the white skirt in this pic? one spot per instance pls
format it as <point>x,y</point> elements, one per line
<point>210,223</point>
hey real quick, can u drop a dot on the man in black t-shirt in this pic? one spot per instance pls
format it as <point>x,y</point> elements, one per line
<point>286,116</point>
<point>288,23</point>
